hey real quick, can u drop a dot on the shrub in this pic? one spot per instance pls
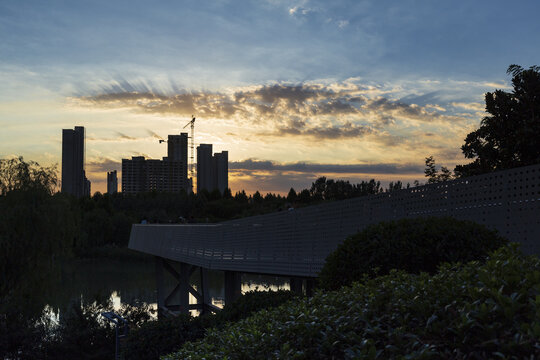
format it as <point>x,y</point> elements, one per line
<point>157,338</point>
<point>474,311</point>
<point>160,337</point>
<point>413,245</point>
<point>252,302</point>
<point>83,333</point>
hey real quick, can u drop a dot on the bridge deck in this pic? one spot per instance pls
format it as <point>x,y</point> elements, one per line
<point>296,243</point>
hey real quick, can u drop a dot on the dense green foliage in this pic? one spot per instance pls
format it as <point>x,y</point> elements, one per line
<point>81,333</point>
<point>251,302</point>
<point>35,227</point>
<point>508,136</point>
<point>413,245</point>
<point>158,338</point>
<point>476,311</point>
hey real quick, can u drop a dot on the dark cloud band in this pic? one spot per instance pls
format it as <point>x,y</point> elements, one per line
<point>305,167</point>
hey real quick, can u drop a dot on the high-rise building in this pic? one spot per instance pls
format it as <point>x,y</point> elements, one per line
<point>221,171</point>
<point>134,175</point>
<point>112,182</point>
<point>177,147</point>
<point>212,171</point>
<point>205,168</point>
<point>74,180</point>
<point>169,174</point>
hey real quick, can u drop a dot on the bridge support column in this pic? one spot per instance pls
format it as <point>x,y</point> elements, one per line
<point>310,285</point>
<point>205,295</point>
<point>296,285</point>
<point>233,286</point>
<point>160,285</point>
<point>176,301</point>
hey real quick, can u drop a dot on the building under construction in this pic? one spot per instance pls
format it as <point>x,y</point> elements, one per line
<point>166,175</point>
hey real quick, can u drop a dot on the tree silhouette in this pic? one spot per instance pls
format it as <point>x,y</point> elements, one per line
<point>17,174</point>
<point>433,174</point>
<point>508,137</point>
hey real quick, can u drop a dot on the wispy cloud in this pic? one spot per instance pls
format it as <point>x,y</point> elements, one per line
<point>120,137</point>
<point>325,111</point>
<point>469,106</point>
<point>154,135</point>
<point>125,137</point>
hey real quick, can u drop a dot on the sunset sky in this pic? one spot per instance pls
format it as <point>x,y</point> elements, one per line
<point>293,90</point>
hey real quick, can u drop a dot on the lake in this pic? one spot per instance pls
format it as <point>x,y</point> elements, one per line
<point>125,281</point>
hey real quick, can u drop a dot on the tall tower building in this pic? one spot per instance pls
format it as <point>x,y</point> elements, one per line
<point>212,171</point>
<point>112,182</point>
<point>205,168</point>
<point>221,171</point>
<point>74,180</point>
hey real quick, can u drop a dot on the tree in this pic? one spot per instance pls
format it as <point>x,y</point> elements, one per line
<point>430,170</point>
<point>304,196</point>
<point>291,197</point>
<point>318,188</point>
<point>393,186</point>
<point>17,174</point>
<point>508,137</point>
<point>433,174</point>
<point>257,197</point>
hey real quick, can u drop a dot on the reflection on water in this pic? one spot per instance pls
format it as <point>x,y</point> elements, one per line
<point>120,282</point>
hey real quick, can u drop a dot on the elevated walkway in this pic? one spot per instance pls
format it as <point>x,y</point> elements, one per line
<point>295,243</point>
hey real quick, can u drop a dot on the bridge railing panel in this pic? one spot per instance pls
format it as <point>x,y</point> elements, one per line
<point>297,242</point>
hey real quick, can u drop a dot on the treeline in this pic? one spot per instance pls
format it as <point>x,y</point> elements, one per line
<point>107,218</point>
<point>36,220</point>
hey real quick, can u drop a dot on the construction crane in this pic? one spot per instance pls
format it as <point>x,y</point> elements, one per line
<point>192,156</point>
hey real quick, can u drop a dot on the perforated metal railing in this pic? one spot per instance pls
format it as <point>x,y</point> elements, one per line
<point>296,242</point>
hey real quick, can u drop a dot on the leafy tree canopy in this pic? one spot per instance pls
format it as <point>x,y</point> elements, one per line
<point>508,136</point>
<point>17,174</point>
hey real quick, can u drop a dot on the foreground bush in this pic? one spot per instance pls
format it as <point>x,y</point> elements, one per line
<point>476,311</point>
<point>157,338</point>
<point>252,302</point>
<point>413,245</point>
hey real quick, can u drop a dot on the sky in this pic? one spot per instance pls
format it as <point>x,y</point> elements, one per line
<point>294,90</point>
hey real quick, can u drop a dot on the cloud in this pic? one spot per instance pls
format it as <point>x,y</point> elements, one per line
<point>469,106</point>
<point>154,135</point>
<point>102,164</point>
<point>331,132</point>
<point>322,110</point>
<point>342,23</point>
<point>406,111</point>
<point>125,137</point>
<point>305,167</point>
<point>119,138</point>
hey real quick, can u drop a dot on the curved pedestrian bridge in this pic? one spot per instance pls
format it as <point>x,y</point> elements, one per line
<point>295,243</point>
